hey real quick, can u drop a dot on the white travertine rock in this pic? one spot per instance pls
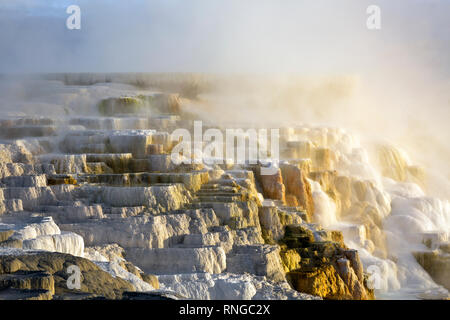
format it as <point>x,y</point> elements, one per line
<point>33,197</point>
<point>144,231</point>
<point>104,253</point>
<point>42,233</point>
<point>225,211</point>
<point>205,286</point>
<point>130,141</point>
<point>66,242</point>
<point>178,260</point>
<point>116,270</point>
<point>261,260</point>
<point>31,228</point>
<point>159,197</point>
<point>20,169</point>
<point>85,142</point>
<point>245,213</point>
<point>228,286</point>
<point>160,163</point>
<point>270,220</point>
<point>141,232</point>
<point>202,220</point>
<point>5,154</point>
<point>25,181</point>
<point>71,214</point>
<point>125,212</point>
<point>10,205</point>
<point>13,152</point>
<point>247,236</point>
<point>66,163</point>
<point>223,239</point>
<point>190,285</point>
<point>111,123</point>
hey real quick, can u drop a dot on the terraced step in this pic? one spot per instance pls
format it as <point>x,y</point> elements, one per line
<point>26,121</point>
<point>24,181</point>
<point>201,192</point>
<point>192,180</point>
<point>19,169</point>
<point>28,281</point>
<point>226,183</point>
<point>118,162</point>
<point>112,123</point>
<point>11,205</point>
<point>17,132</point>
<point>213,188</point>
<point>198,205</point>
<point>25,294</point>
<point>211,185</point>
<point>56,179</point>
<point>227,198</point>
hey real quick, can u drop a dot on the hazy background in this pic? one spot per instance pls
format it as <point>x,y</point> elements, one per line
<point>324,65</point>
<point>223,36</point>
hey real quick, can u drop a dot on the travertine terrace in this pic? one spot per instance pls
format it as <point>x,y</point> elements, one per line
<point>91,183</point>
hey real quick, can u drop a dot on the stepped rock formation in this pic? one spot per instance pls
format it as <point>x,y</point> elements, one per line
<point>97,189</point>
